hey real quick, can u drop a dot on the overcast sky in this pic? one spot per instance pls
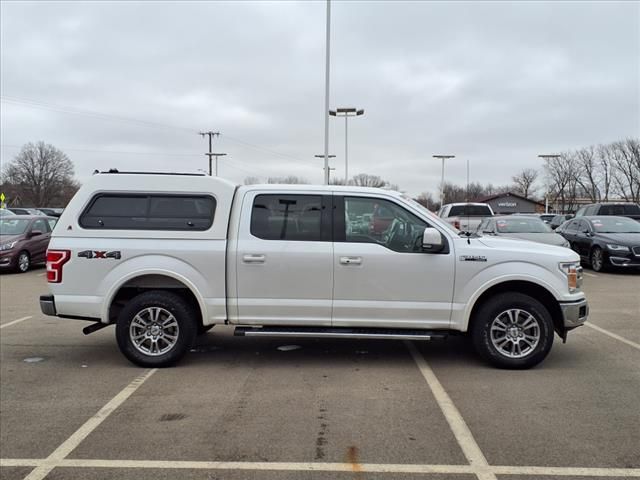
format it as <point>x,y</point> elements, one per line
<point>496,83</point>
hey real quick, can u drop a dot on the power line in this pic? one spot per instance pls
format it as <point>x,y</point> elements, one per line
<point>105,116</point>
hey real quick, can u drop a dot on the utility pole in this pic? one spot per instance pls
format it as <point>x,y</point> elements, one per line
<point>443,158</point>
<point>346,113</point>
<point>210,134</point>
<point>216,155</point>
<point>326,94</point>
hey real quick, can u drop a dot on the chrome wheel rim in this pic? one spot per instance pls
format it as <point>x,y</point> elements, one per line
<point>154,331</point>
<point>515,333</point>
<point>23,262</point>
<point>596,259</point>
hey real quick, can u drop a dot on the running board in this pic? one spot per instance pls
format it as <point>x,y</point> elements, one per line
<point>328,332</point>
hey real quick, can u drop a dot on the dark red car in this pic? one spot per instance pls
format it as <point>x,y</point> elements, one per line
<point>24,240</point>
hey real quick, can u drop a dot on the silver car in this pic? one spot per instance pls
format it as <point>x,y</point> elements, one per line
<point>524,227</point>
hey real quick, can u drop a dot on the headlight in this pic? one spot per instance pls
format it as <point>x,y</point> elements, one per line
<point>573,272</point>
<point>8,246</point>
<point>617,248</point>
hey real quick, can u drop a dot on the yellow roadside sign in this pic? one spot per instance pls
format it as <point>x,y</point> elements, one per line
<point>2,197</point>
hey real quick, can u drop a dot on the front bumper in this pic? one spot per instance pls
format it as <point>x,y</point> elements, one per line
<point>48,305</point>
<point>574,314</point>
<point>630,261</point>
<point>8,259</point>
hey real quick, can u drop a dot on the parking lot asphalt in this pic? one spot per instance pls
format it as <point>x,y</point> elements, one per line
<point>72,407</point>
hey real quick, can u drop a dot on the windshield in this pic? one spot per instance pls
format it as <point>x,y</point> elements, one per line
<point>470,211</point>
<point>13,226</point>
<point>429,213</point>
<point>522,225</point>
<point>614,225</point>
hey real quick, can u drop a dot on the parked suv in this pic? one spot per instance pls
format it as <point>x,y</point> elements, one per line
<point>24,240</point>
<point>166,257</point>
<point>631,210</point>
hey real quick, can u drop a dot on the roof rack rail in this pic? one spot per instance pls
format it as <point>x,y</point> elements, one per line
<point>115,170</point>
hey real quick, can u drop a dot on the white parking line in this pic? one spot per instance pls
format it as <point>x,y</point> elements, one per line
<point>89,426</point>
<point>590,274</point>
<point>459,427</point>
<point>42,274</point>
<point>613,335</point>
<point>8,324</point>
<point>329,467</point>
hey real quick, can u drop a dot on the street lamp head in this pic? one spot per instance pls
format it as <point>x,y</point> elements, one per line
<point>332,113</point>
<point>550,155</point>
<point>322,156</point>
<point>346,110</point>
<point>360,112</point>
<point>443,156</point>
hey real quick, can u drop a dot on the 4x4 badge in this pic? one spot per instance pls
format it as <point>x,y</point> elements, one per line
<point>100,254</point>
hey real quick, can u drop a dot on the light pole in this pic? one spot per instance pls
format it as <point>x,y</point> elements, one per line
<point>443,158</point>
<point>324,169</point>
<point>346,113</point>
<point>549,156</point>
<point>326,94</point>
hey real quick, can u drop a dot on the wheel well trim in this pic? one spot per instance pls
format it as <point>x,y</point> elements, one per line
<point>479,293</point>
<point>113,291</point>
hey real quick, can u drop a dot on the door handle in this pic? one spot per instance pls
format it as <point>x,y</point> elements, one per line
<point>253,258</point>
<point>351,260</point>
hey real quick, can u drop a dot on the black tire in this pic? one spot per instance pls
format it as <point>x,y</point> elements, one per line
<point>202,329</point>
<point>23,262</point>
<point>163,301</point>
<point>597,259</point>
<point>494,309</point>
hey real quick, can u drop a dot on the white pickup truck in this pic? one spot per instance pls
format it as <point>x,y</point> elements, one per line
<point>466,217</point>
<point>165,257</point>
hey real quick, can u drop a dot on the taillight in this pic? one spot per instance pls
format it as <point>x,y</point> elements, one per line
<point>55,260</point>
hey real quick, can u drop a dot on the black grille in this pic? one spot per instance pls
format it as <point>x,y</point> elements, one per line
<point>636,251</point>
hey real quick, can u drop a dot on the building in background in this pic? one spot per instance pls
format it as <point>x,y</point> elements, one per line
<point>507,203</point>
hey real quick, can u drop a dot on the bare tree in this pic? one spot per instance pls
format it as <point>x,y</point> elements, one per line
<point>604,166</point>
<point>589,173</point>
<point>41,175</point>
<point>290,179</point>
<point>524,182</point>
<point>626,161</point>
<point>426,200</point>
<point>562,173</point>
<point>252,180</point>
<point>366,180</point>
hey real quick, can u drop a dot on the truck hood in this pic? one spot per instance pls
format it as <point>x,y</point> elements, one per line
<point>548,238</point>
<point>529,249</point>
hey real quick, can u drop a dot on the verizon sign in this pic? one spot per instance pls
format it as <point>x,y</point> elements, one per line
<point>508,204</point>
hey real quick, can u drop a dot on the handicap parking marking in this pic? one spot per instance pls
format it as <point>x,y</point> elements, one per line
<point>60,453</point>
<point>613,335</point>
<point>8,324</point>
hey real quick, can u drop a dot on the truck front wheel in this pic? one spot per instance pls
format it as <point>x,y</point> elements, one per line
<point>155,329</point>
<point>512,330</point>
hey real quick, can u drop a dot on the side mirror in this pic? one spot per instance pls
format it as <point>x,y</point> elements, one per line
<point>35,233</point>
<point>432,240</point>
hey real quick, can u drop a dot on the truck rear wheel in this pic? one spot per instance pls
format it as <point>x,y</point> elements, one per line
<point>512,330</point>
<point>155,329</point>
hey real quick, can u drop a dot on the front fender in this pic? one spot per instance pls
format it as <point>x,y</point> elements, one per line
<point>469,290</point>
<point>152,265</point>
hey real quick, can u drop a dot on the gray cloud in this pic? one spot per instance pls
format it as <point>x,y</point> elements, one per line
<point>495,83</point>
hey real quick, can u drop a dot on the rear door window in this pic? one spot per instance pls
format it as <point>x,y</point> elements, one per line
<point>290,217</point>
